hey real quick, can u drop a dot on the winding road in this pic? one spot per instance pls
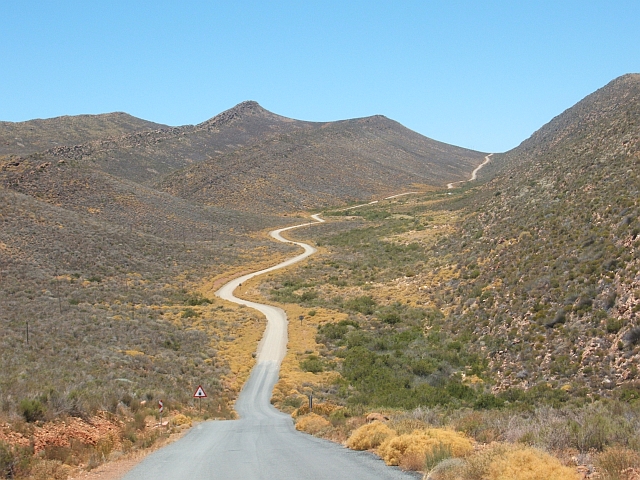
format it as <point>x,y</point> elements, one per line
<point>263,443</point>
<point>474,174</point>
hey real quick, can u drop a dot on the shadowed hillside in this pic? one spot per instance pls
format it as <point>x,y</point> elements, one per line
<point>129,204</point>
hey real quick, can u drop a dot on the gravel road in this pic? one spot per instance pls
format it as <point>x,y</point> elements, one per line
<point>474,174</point>
<point>263,444</point>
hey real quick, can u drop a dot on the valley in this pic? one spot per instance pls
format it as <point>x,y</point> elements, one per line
<point>503,310</point>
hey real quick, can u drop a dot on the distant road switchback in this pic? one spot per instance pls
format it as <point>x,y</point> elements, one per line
<point>263,444</point>
<point>474,174</point>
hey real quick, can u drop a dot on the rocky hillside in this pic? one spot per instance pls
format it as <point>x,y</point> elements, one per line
<point>256,160</point>
<point>24,138</point>
<point>145,156</point>
<point>525,288</point>
<point>552,250</point>
<point>323,164</point>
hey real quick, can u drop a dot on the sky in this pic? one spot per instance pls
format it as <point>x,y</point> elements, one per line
<point>478,74</point>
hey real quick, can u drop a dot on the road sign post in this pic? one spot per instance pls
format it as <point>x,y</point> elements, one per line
<point>200,394</point>
<point>160,410</point>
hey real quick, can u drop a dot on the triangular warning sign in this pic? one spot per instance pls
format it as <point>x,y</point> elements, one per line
<point>199,393</point>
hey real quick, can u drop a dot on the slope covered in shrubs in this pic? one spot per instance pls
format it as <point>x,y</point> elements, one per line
<point>514,295</point>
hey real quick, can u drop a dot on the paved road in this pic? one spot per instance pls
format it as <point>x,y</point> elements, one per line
<point>263,444</point>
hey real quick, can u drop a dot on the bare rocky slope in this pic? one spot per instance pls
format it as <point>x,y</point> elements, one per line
<point>323,164</point>
<point>24,138</point>
<point>256,160</point>
<point>144,156</point>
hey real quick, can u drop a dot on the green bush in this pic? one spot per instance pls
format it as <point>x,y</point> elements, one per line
<point>312,364</point>
<point>336,331</point>
<point>8,461</point>
<point>196,299</point>
<point>189,313</point>
<point>488,401</point>
<point>614,325</point>
<point>363,304</point>
<point>32,410</point>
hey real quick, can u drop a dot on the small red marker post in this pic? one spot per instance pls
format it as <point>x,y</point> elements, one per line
<point>200,394</point>
<point>160,410</point>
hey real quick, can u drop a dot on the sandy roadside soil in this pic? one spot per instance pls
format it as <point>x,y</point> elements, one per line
<point>116,469</point>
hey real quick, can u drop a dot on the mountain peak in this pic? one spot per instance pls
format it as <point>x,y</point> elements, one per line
<point>248,108</point>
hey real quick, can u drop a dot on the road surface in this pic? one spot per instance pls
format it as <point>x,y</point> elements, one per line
<point>474,174</point>
<point>263,444</point>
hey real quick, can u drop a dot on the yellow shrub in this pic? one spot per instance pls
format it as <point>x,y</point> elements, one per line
<point>369,436</point>
<point>504,462</point>
<point>312,424</point>
<point>180,419</point>
<point>529,464</point>
<point>49,470</point>
<point>449,469</point>
<point>421,442</point>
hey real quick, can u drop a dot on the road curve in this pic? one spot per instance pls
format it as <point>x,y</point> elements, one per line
<point>263,443</point>
<point>474,174</point>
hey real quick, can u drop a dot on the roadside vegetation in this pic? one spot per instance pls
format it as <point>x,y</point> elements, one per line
<point>457,310</point>
<point>99,322</point>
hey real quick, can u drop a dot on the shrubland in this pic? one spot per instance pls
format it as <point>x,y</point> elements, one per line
<point>493,328</point>
<point>512,302</point>
<point>101,320</point>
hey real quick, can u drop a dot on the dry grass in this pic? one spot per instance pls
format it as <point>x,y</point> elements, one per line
<point>528,464</point>
<point>504,462</point>
<point>369,436</point>
<point>313,424</point>
<point>394,450</point>
<point>49,470</point>
<point>325,409</point>
<point>293,380</point>
<point>618,463</point>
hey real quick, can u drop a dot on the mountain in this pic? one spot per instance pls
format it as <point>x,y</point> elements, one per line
<point>255,160</point>
<point>146,156</point>
<point>321,165</point>
<point>24,138</point>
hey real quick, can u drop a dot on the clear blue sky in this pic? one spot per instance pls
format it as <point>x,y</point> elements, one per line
<point>479,74</point>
